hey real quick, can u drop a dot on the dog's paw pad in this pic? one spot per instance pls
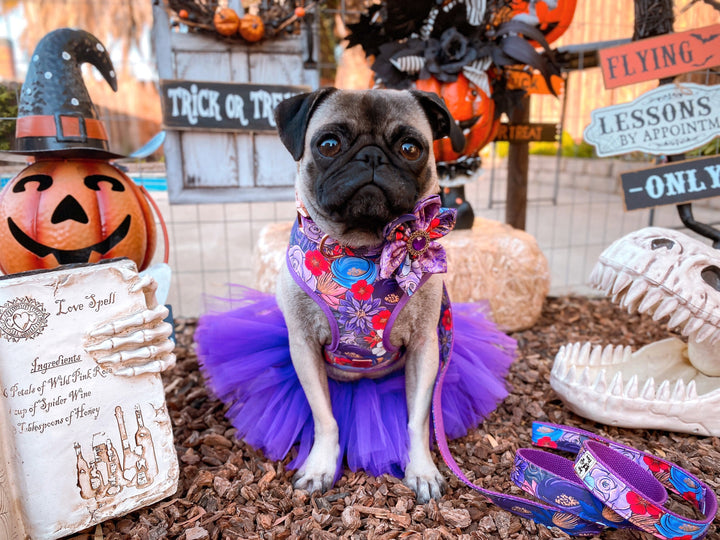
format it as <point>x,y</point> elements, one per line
<point>427,486</point>
<point>313,482</point>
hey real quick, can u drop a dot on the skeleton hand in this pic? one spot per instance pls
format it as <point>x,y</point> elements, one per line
<point>136,344</point>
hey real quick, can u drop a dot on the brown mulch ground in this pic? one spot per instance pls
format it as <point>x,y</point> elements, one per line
<point>228,490</point>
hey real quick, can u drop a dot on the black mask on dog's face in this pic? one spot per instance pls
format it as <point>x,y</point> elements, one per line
<point>365,157</point>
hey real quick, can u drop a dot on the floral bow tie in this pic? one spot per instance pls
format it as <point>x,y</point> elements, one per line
<point>410,249</point>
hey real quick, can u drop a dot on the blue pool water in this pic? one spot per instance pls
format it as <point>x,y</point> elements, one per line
<point>150,183</point>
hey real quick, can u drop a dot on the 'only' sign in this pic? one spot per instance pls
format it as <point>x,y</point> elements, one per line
<point>674,183</point>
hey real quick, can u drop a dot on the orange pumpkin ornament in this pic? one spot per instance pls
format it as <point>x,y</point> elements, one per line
<point>226,21</point>
<point>251,28</point>
<point>61,211</point>
<point>472,108</point>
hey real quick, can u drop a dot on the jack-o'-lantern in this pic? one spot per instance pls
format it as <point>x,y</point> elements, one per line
<point>472,109</point>
<point>61,211</point>
<point>226,21</point>
<point>251,28</point>
<point>70,205</point>
<point>551,17</point>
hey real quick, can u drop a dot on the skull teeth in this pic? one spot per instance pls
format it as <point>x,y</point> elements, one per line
<point>706,332</point>
<point>679,317</point>
<point>631,389</point>
<point>665,308</point>
<point>636,293</point>
<point>589,366</point>
<point>623,280</point>
<point>648,390</point>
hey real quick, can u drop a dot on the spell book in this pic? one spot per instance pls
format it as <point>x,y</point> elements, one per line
<point>79,444</point>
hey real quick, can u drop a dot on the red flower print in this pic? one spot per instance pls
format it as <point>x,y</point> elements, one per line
<point>380,320</point>
<point>431,229</point>
<point>656,465</point>
<point>362,290</point>
<point>373,339</point>
<point>316,263</point>
<point>640,506</point>
<point>690,496</point>
<point>447,319</point>
<point>546,442</point>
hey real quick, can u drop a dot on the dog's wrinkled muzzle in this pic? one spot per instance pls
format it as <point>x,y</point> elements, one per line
<point>368,191</point>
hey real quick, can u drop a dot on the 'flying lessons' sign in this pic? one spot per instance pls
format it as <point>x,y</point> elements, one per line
<point>674,183</point>
<point>222,106</point>
<point>670,119</point>
<point>662,56</point>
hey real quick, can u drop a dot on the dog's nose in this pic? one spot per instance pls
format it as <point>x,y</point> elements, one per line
<point>372,155</point>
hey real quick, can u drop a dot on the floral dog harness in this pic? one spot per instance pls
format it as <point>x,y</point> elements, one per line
<point>362,291</point>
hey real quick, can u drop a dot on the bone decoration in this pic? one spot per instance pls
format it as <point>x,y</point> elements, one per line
<point>672,384</point>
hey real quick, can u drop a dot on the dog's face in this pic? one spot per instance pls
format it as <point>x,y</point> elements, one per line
<point>364,157</point>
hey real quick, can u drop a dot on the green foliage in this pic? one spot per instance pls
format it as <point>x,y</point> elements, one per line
<point>570,148</point>
<point>8,109</point>
<point>710,149</point>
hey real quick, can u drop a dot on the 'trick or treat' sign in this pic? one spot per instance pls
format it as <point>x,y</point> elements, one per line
<point>222,106</point>
<point>671,119</point>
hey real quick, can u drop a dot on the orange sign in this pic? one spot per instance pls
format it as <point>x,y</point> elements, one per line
<point>662,56</point>
<point>533,83</point>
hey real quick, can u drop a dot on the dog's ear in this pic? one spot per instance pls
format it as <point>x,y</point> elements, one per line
<point>292,116</point>
<point>441,120</point>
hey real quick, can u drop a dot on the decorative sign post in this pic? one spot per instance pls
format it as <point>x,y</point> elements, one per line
<point>670,119</point>
<point>217,96</point>
<point>660,57</point>
<point>534,83</point>
<point>531,132</point>
<point>674,183</point>
<point>221,106</point>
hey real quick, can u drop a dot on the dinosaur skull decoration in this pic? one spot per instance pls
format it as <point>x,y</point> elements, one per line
<point>670,384</point>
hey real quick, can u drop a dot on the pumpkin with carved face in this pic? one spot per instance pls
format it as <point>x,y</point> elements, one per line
<point>473,110</point>
<point>62,211</point>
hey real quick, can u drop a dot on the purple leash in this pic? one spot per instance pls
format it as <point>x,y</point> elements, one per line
<point>607,485</point>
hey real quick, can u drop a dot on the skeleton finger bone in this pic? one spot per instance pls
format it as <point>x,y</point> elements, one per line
<point>156,366</point>
<point>141,337</point>
<point>150,316</point>
<point>145,282</point>
<point>136,355</point>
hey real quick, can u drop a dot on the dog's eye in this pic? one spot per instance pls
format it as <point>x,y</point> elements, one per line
<point>329,146</point>
<point>410,150</point>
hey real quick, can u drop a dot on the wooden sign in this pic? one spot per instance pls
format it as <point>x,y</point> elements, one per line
<point>527,133</point>
<point>196,105</point>
<point>533,83</point>
<point>662,56</point>
<point>670,119</point>
<point>673,183</point>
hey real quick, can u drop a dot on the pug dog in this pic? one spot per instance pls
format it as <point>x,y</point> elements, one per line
<point>364,159</point>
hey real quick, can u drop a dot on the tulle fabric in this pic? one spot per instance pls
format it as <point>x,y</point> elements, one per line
<point>245,358</point>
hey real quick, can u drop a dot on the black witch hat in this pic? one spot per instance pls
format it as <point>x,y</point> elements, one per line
<point>55,114</point>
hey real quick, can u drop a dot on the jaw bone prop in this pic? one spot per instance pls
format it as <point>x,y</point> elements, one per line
<point>669,384</point>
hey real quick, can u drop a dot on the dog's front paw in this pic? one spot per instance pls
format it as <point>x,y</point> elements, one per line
<point>318,471</point>
<point>425,480</point>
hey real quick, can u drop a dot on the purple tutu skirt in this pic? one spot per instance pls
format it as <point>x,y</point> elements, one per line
<point>245,358</point>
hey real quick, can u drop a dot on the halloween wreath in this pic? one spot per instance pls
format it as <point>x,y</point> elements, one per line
<point>263,20</point>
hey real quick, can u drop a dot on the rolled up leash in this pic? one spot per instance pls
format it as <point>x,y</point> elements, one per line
<point>608,484</point>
